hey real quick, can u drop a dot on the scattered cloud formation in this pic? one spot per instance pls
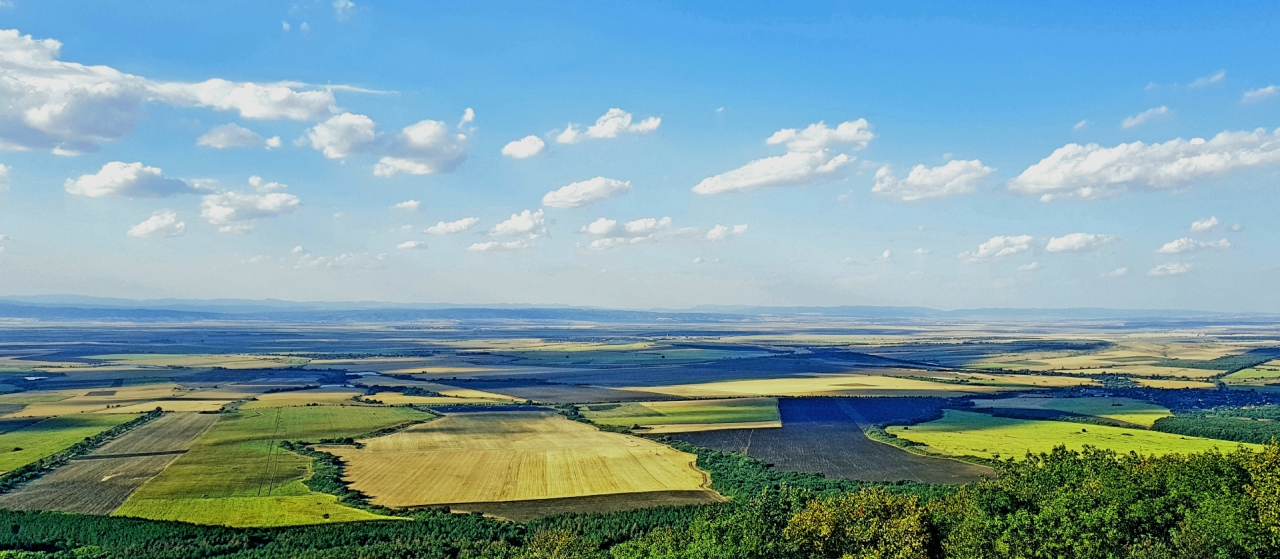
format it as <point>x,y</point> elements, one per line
<point>452,227</point>
<point>342,9</point>
<point>342,261</point>
<point>1144,117</point>
<point>585,192</point>
<point>342,135</point>
<point>1188,245</point>
<point>524,148</point>
<point>1260,94</point>
<point>1210,79</point>
<point>1092,171</point>
<point>611,125</point>
<point>490,246</point>
<point>922,251</point>
<point>410,205</point>
<point>1078,242</point>
<point>523,223</point>
<point>1116,273</point>
<point>999,246</point>
<point>423,148</point>
<point>724,232</point>
<point>130,180</point>
<point>809,159</point>
<point>233,211</point>
<point>1029,267</point>
<point>468,116</point>
<point>1204,225</point>
<point>160,225</point>
<point>601,227</point>
<point>1170,269</point>
<point>955,177</point>
<point>4,176</point>
<point>1080,125</point>
<point>411,245</point>
<point>231,135</point>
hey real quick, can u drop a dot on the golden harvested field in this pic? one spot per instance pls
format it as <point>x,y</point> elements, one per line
<point>684,416</point>
<point>397,399</point>
<point>1134,412</point>
<point>198,360</point>
<point>66,402</point>
<point>703,427</point>
<point>319,396</point>
<point>512,456</point>
<point>835,385</point>
<point>1025,381</point>
<point>171,405</point>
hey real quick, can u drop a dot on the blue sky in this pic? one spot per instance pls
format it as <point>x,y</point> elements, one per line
<point>825,153</point>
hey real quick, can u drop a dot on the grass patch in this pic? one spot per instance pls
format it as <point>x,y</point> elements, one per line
<point>50,436</point>
<point>277,510</point>
<point>1125,410</point>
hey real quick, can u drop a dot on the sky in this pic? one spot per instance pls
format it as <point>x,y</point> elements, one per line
<point>644,154</point>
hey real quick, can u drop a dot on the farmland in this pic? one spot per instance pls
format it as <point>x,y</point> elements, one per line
<point>44,438</point>
<point>961,433</point>
<point>1122,410</point>
<point>469,459</point>
<point>687,415</point>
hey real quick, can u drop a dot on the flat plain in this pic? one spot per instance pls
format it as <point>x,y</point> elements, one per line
<point>687,415</point>
<point>1123,410</point>
<point>44,438</point>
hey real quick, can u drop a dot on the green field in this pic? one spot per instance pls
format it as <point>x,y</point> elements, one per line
<point>961,433</point>
<point>47,437</point>
<point>1255,374</point>
<point>238,459</point>
<point>738,410</point>
<point>1135,412</point>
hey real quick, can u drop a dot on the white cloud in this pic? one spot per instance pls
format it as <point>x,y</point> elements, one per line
<point>284,26</point>
<point>523,223</point>
<point>1000,246</point>
<point>1260,93</point>
<point>411,245</point>
<point>1092,171</point>
<point>601,227</point>
<point>1078,242</point>
<point>808,160</point>
<point>468,116</point>
<point>1080,125</point>
<point>646,226</point>
<point>886,256</point>
<point>922,251</point>
<point>489,246</point>
<point>1210,79</point>
<point>585,192</point>
<point>955,177</point>
<point>132,180</point>
<point>4,176</point>
<point>722,232</point>
<point>1203,225</point>
<point>1116,273</point>
<point>232,211</point>
<point>1144,117</point>
<point>231,135</point>
<point>411,205</point>
<point>613,123</point>
<point>273,142</point>
<point>1237,228</point>
<point>342,135</point>
<point>160,225</point>
<point>452,227</point>
<point>347,260</point>
<point>1188,245</point>
<point>1171,269</point>
<point>524,148</point>
<point>304,27</point>
<point>1029,267</point>
<point>342,9</point>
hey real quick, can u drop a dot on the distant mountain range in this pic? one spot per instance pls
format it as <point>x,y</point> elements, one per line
<point>78,308</point>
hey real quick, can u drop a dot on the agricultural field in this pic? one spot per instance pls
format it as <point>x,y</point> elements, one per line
<point>469,459</point>
<point>99,482</point>
<point>825,385</point>
<point>400,399</point>
<point>68,402</point>
<point>198,361</point>
<point>961,433</point>
<point>44,438</point>
<point>292,398</point>
<point>1121,410</point>
<point>687,415</point>
<point>239,460</point>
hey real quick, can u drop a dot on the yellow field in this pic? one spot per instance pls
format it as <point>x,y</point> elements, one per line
<point>1172,384</point>
<point>397,399</point>
<point>1025,381</point>
<point>701,427</point>
<point>862,385</point>
<point>198,360</point>
<point>171,405</point>
<point>319,396</point>
<point>1134,412</point>
<point>511,456</point>
<point>53,403</point>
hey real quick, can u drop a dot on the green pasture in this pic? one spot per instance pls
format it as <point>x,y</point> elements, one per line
<point>740,410</point>
<point>961,433</point>
<point>1255,374</point>
<point>1135,412</point>
<point>276,510</point>
<point>48,437</point>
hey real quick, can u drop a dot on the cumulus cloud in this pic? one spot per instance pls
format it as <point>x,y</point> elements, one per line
<point>643,230</point>
<point>1116,273</point>
<point>232,135</point>
<point>1203,225</point>
<point>424,148</point>
<point>601,227</point>
<point>1170,269</point>
<point>411,245</point>
<point>131,180</point>
<point>724,232</point>
<point>1260,93</point>
<point>611,125</point>
<point>342,9</point>
<point>585,192</point>
<point>346,260</point>
<point>160,225</point>
<point>524,148</point>
<point>1188,245</point>
<point>999,246</point>
<point>809,159</point>
<point>1078,242</point>
<point>342,135</point>
<point>955,177</point>
<point>452,227</point>
<point>49,104</point>
<point>233,211</point>
<point>922,251</point>
<point>489,246</point>
<point>1029,267</point>
<point>1210,79</point>
<point>1092,171</point>
<point>1144,117</point>
<point>523,223</point>
<point>411,205</point>
<point>4,176</point>
<point>468,116</point>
